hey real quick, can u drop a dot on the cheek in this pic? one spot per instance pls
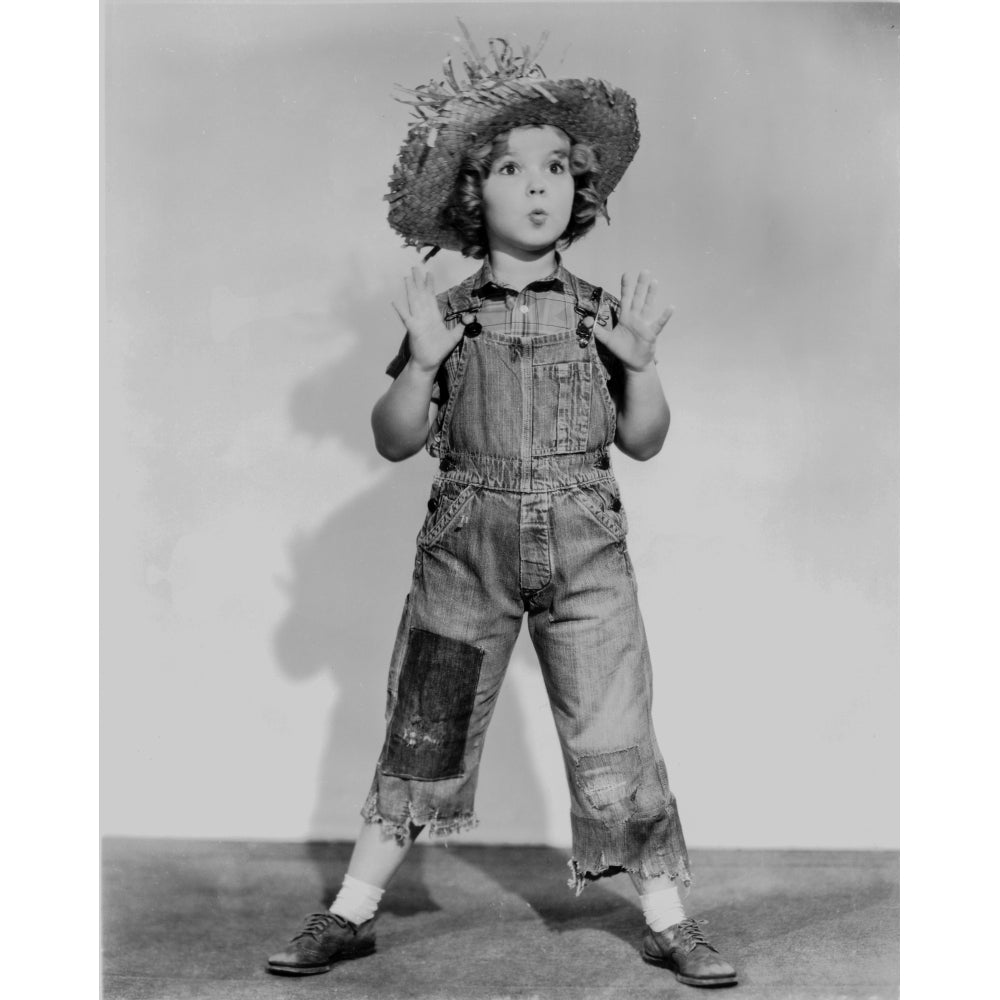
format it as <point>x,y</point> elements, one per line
<point>494,204</point>
<point>567,196</point>
<point>493,216</point>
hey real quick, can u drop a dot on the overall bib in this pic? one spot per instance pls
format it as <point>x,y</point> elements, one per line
<point>525,518</point>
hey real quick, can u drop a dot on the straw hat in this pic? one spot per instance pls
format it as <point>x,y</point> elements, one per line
<point>499,93</point>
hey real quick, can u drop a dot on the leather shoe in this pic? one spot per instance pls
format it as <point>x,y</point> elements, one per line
<point>325,938</point>
<point>682,948</point>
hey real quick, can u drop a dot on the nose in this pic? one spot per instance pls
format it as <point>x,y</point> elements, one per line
<point>536,183</point>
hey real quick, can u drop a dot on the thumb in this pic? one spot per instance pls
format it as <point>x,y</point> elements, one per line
<point>602,334</point>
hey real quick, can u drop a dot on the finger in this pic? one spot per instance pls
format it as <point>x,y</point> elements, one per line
<point>641,291</point>
<point>628,288</point>
<point>411,293</point>
<point>663,319</point>
<point>652,287</point>
<point>429,282</point>
<point>419,282</point>
<point>403,316</point>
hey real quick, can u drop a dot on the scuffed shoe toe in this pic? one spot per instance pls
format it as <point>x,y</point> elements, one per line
<point>324,940</point>
<point>684,950</point>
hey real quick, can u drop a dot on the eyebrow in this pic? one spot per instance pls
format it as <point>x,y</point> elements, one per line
<point>562,154</point>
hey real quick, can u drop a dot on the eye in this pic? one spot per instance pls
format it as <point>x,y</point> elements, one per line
<point>557,167</point>
<point>507,168</point>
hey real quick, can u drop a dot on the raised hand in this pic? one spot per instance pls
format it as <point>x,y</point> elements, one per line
<point>633,340</point>
<point>430,341</point>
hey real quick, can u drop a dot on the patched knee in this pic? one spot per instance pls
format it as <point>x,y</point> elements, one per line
<point>435,699</point>
<point>609,782</point>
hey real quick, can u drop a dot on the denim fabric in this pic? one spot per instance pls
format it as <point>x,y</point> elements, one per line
<point>525,519</point>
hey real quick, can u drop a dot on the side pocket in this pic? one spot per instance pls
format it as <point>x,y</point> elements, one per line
<point>601,500</point>
<point>436,695</point>
<point>446,502</point>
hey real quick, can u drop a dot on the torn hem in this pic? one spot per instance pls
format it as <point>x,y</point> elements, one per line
<point>436,825</point>
<point>581,877</point>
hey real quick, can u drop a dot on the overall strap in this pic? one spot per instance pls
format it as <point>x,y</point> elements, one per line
<point>594,301</point>
<point>453,304</point>
<point>593,306</point>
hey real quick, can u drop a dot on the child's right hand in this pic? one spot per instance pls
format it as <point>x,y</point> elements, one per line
<point>430,341</point>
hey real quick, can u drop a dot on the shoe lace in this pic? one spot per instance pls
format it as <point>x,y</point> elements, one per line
<point>691,935</point>
<point>315,925</point>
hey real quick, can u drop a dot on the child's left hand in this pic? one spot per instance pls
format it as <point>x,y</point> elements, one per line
<point>633,340</point>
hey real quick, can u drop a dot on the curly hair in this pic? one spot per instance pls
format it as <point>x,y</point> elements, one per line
<point>463,213</point>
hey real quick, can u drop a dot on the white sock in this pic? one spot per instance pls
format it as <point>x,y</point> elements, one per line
<point>357,901</point>
<point>662,908</point>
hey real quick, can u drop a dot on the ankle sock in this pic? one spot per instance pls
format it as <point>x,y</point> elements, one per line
<point>662,908</point>
<point>357,901</point>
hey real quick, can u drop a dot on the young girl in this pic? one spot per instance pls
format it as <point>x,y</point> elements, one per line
<point>519,380</point>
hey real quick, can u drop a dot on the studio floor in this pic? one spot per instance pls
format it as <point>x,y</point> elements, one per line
<point>197,919</point>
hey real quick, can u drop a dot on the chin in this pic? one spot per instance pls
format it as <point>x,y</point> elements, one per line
<point>541,245</point>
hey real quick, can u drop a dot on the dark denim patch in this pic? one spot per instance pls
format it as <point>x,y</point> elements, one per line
<point>436,695</point>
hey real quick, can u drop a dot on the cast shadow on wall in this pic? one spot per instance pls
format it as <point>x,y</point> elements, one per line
<point>346,586</point>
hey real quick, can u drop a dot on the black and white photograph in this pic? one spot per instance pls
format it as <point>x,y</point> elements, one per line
<point>500,500</point>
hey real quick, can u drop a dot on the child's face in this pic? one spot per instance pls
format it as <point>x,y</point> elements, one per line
<point>528,194</point>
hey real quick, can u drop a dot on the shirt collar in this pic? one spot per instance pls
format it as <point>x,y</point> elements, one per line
<point>485,284</point>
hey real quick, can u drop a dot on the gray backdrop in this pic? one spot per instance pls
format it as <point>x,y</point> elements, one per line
<point>256,550</point>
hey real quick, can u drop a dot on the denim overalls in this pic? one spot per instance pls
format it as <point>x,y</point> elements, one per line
<point>525,518</point>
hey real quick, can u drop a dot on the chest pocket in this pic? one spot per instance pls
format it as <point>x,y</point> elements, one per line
<point>560,396</point>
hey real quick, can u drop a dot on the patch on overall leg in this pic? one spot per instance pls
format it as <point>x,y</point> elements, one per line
<point>610,782</point>
<point>434,702</point>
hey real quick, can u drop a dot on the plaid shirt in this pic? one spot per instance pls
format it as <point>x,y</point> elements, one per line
<point>557,301</point>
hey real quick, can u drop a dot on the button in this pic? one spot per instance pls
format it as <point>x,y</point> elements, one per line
<point>447,464</point>
<point>432,504</point>
<point>603,462</point>
<point>525,310</point>
<point>616,505</point>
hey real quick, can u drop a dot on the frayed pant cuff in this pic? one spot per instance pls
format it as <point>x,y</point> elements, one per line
<point>400,829</point>
<point>582,877</point>
<point>646,847</point>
